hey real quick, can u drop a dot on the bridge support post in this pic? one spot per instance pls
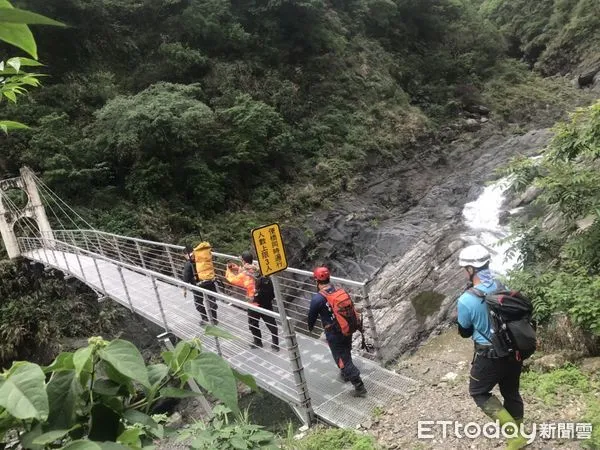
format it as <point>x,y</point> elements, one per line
<point>371,319</point>
<point>304,407</point>
<point>77,253</point>
<point>160,306</point>
<point>139,250</point>
<point>33,210</point>
<point>116,244</point>
<point>35,204</point>
<point>64,253</point>
<point>211,321</point>
<point>8,235</point>
<point>120,269</point>
<point>99,242</point>
<point>170,256</point>
<point>99,275</point>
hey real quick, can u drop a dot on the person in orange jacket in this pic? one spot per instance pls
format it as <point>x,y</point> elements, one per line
<point>246,278</point>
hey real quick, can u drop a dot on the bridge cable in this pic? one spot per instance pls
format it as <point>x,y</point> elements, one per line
<point>56,198</point>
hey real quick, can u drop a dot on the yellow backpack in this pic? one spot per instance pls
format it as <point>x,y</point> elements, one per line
<point>204,263</point>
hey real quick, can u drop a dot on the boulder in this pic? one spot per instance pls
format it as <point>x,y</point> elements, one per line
<point>548,363</point>
<point>472,124</point>
<point>591,365</point>
<point>478,109</point>
<point>587,78</point>
<point>530,194</point>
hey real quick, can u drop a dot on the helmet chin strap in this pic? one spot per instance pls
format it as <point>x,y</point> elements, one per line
<point>470,284</point>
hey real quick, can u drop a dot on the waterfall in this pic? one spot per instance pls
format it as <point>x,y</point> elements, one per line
<point>482,218</point>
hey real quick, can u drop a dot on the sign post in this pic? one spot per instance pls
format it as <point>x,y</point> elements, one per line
<point>271,259</point>
<point>269,249</point>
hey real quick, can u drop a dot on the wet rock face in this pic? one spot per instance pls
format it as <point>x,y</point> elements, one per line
<point>404,231</point>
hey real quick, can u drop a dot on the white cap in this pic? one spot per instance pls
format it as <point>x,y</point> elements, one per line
<point>474,256</point>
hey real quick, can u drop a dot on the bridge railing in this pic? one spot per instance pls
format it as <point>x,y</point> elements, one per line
<point>296,285</point>
<point>153,299</point>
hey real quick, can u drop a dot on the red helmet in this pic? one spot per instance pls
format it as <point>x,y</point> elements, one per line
<point>321,274</point>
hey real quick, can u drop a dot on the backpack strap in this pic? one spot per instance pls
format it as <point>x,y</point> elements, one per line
<point>477,293</point>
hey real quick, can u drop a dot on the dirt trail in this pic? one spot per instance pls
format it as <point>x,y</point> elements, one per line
<point>396,426</point>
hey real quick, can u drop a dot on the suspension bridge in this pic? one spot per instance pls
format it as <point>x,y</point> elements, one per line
<point>144,276</point>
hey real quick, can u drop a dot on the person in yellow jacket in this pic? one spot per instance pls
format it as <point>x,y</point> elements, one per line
<point>190,275</point>
<point>246,277</point>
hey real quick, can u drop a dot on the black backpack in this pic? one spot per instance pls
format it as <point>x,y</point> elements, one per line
<point>511,319</point>
<point>264,293</point>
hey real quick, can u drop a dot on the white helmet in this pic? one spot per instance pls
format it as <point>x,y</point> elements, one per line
<point>474,255</point>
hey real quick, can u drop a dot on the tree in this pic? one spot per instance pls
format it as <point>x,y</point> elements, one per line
<point>14,30</point>
<point>560,250</point>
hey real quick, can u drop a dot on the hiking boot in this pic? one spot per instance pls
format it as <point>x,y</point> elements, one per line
<point>494,409</point>
<point>256,345</point>
<point>342,378</point>
<point>359,391</point>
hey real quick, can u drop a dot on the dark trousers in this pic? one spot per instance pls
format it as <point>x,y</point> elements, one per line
<point>341,350</point>
<point>253,324</point>
<point>486,373</point>
<point>199,300</point>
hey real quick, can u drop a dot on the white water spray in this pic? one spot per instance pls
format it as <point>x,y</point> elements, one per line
<point>482,216</point>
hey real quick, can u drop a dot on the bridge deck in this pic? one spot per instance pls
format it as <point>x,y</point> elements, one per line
<point>331,399</point>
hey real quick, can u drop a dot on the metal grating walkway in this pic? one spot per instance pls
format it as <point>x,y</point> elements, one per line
<point>331,399</point>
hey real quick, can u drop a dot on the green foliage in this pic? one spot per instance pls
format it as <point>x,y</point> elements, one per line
<point>334,439</point>
<point>197,108</point>
<point>559,251</point>
<point>554,34</point>
<point>515,94</point>
<point>558,385</point>
<point>159,116</point>
<point>14,30</point>
<point>219,434</point>
<point>38,309</point>
<point>593,416</point>
<point>105,392</point>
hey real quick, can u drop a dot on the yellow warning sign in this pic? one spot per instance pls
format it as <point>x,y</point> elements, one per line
<point>269,249</point>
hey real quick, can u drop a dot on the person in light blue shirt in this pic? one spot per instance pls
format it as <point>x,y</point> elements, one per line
<point>487,369</point>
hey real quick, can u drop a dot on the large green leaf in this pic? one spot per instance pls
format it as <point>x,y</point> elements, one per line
<point>211,330</point>
<point>131,437</point>
<point>116,376</point>
<point>82,360</point>
<point>18,35</point>
<point>172,392</point>
<point>106,387</point>
<point>215,375</point>
<point>133,416</point>
<point>91,445</point>
<point>126,359</point>
<point>21,16</point>
<point>64,392</point>
<point>248,380</point>
<point>27,438</point>
<point>184,352</point>
<point>157,373</point>
<point>50,436</point>
<point>64,361</point>
<point>6,125</point>
<point>23,392</point>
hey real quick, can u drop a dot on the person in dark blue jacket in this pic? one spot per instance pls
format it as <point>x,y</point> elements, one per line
<point>339,344</point>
